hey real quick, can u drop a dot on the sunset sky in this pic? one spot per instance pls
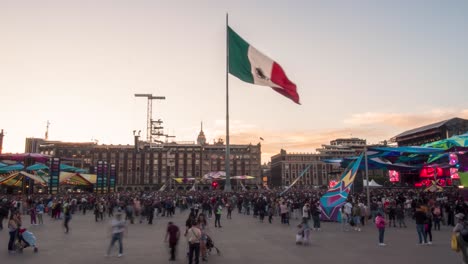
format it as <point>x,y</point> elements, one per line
<point>367,69</point>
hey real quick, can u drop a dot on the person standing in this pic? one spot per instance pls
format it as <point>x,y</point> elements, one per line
<point>84,205</point>
<point>437,216</point>
<point>196,208</point>
<point>194,237</point>
<point>344,218</point>
<point>271,212</point>
<point>428,227</point>
<point>315,211</point>
<point>348,209</point>
<point>229,210</point>
<point>32,214</point>
<point>219,211</point>
<point>150,212</point>
<point>40,212</point>
<point>357,218</point>
<point>380,224</point>
<point>3,214</point>
<point>261,211</point>
<point>67,219</point>
<point>172,236</point>
<point>391,215</point>
<point>284,213</point>
<point>400,216</point>
<point>118,227</point>
<point>420,218</point>
<point>306,212</point>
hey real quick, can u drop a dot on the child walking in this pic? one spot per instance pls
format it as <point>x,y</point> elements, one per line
<point>380,224</point>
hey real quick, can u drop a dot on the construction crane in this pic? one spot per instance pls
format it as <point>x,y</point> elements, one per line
<point>149,113</point>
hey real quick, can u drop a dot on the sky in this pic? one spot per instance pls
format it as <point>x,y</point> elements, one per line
<point>367,69</point>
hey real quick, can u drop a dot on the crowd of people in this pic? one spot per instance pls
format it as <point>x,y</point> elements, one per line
<point>389,208</point>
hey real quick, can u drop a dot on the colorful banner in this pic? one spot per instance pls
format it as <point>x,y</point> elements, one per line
<point>105,176</point>
<point>463,178</point>
<point>101,171</point>
<point>54,175</point>
<point>331,202</point>
<point>112,178</point>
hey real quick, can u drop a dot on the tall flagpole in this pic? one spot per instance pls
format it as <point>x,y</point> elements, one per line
<point>227,161</point>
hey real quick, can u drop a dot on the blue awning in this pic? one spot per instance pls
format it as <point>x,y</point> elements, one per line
<point>15,167</point>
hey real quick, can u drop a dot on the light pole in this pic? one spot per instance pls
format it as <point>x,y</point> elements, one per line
<point>367,177</point>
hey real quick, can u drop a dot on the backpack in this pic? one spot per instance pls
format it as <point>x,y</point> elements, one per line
<point>379,222</point>
<point>464,232</point>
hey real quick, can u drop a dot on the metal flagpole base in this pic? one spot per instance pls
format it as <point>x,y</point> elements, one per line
<point>227,187</point>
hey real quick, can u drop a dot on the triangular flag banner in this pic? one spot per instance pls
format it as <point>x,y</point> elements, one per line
<point>331,202</point>
<point>250,65</point>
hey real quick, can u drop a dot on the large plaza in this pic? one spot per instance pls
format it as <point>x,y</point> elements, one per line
<point>241,240</point>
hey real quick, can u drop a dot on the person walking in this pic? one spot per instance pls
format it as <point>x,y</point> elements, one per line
<point>203,226</point>
<point>194,237</point>
<point>172,236</point>
<point>118,227</point>
<point>219,211</point>
<point>13,231</point>
<point>457,231</point>
<point>380,224</point>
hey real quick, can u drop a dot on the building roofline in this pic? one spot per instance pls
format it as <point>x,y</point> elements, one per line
<point>427,127</point>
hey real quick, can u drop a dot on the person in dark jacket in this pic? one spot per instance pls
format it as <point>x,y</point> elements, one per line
<point>3,213</point>
<point>420,217</point>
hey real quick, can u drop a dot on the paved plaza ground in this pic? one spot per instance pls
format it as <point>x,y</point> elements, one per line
<point>241,240</point>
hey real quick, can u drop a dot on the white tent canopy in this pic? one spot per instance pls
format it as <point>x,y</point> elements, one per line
<point>372,183</point>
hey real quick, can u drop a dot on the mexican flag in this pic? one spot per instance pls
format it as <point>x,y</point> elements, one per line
<point>250,65</point>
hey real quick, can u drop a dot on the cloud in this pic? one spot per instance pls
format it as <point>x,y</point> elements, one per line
<point>295,141</point>
<point>404,120</point>
<point>372,126</point>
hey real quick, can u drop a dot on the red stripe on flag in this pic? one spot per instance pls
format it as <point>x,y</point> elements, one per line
<point>288,88</point>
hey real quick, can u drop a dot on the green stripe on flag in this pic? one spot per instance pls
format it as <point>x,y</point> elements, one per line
<point>463,178</point>
<point>239,64</point>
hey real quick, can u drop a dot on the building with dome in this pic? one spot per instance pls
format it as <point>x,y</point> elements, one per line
<point>144,167</point>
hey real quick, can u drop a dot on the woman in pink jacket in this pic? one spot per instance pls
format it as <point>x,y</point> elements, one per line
<point>380,224</point>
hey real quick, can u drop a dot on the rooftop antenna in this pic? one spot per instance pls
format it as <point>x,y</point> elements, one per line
<point>47,130</point>
<point>1,140</point>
